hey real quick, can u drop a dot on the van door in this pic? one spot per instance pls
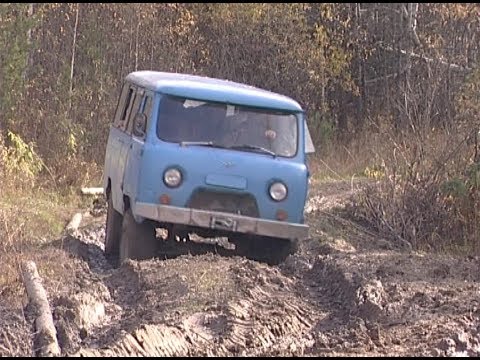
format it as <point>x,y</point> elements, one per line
<point>123,141</point>
<point>137,127</point>
<point>115,147</point>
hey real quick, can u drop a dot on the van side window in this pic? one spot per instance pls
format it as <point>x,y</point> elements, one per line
<point>122,105</point>
<point>135,109</point>
<point>127,103</point>
<point>147,107</point>
<point>127,108</point>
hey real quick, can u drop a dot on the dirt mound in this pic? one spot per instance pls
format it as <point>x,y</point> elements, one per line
<point>412,303</point>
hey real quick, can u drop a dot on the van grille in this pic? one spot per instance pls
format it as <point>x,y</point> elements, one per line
<point>241,204</point>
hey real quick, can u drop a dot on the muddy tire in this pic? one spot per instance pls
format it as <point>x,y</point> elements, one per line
<point>275,251</point>
<point>138,241</point>
<point>113,231</point>
<point>266,249</point>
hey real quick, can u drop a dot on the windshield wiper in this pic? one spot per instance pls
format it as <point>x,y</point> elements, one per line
<point>201,143</point>
<point>253,147</point>
<point>236,147</point>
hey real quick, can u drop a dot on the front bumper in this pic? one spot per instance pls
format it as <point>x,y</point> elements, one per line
<point>221,221</point>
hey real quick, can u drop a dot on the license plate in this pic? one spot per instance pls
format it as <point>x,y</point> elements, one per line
<point>223,223</point>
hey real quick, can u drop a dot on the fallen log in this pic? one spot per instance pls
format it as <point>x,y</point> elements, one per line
<point>92,191</point>
<point>74,224</point>
<point>45,342</point>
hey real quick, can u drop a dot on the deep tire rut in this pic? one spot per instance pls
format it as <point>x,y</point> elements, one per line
<point>263,316</point>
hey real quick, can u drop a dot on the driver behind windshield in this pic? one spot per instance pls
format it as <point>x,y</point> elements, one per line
<point>183,120</point>
<point>250,128</point>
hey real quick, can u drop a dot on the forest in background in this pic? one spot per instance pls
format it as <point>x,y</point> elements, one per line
<point>391,91</point>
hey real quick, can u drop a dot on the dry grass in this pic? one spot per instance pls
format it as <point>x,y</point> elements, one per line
<point>340,160</point>
<point>30,219</point>
<point>339,163</point>
<point>426,192</point>
<point>26,222</point>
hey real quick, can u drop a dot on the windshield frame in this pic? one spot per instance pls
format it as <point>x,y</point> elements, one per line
<point>295,114</point>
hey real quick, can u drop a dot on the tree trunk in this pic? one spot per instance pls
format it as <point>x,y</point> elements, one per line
<point>412,9</point>
<point>136,45</point>
<point>29,59</point>
<point>72,64</point>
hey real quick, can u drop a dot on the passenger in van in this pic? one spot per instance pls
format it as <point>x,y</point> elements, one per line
<point>246,128</point>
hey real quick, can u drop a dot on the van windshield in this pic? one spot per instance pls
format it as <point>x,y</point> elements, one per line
<point>182,120</point>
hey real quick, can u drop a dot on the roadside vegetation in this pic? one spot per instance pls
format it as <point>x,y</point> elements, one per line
<point>391,93</point>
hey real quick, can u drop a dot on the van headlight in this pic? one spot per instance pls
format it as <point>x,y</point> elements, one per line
<point>172,177</point>
<point>278,191</point>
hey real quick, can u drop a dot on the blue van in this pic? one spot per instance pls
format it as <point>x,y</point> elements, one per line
<point>193,154</point>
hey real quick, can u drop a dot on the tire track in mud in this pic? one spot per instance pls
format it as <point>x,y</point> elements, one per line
<point>268,313</point>
<point>148,340</point>
<point>261,315</point>
<point>269,319</point>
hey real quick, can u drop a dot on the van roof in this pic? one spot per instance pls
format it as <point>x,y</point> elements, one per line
<point>210,89</point>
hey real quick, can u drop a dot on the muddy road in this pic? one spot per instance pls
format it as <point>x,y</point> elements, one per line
<point>345,292</point>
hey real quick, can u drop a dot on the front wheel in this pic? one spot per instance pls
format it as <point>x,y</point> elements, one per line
<point>138,241</point>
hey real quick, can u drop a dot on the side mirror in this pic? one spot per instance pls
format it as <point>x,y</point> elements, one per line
<point>140,125</point>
